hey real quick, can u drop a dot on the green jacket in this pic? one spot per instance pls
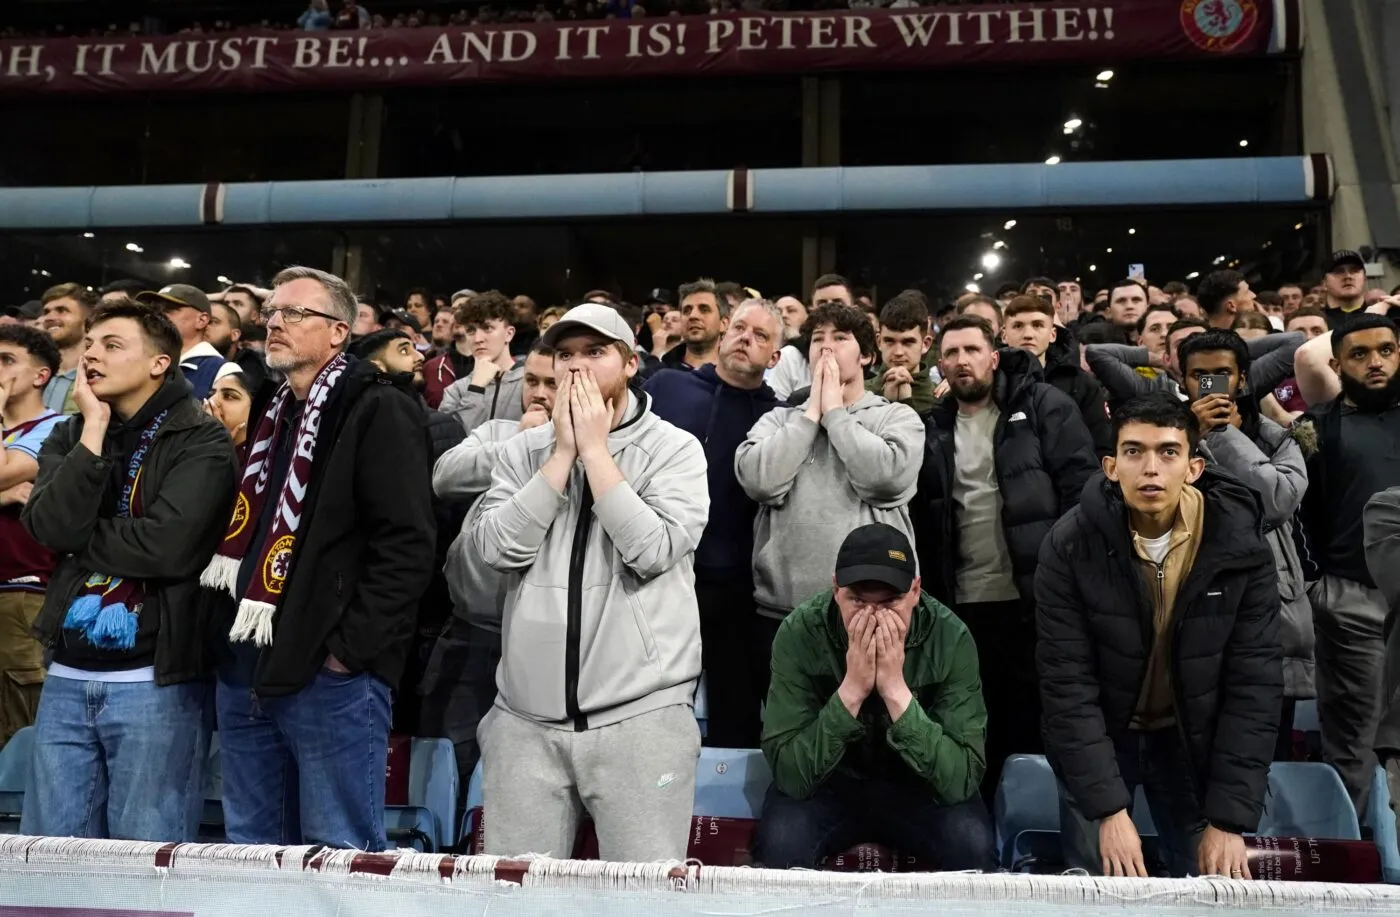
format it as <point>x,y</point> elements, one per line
<point>938,742</point>
<point>920,392</point>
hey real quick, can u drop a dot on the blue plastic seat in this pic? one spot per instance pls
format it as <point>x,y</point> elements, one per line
<point>1381,819</point>
<point>731,782</point>
<point>16,759</point>
<point>1307,799</point>
<point>429,820</point>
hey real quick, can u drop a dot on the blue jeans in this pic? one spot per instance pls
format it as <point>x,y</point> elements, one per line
<point>1157,762</point>
<point>843,812</point>
<point>309,767</point>
<point>115,760</point>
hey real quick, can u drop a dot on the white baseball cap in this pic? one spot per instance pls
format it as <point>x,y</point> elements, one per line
<point>595,317</point>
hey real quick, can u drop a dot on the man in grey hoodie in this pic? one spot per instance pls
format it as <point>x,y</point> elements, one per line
<point>492,391</point>
<point>594,519</point>
<point>845,458</point>
<point>459,683</point>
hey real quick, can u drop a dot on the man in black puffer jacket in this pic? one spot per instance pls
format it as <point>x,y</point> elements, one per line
<point>1006,455</point>
<point>1157,606</point>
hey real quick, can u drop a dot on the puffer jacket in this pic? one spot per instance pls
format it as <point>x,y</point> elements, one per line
<point>1270,462</point>
<point>1043,457</point>
<point>1063,371</point>
<point>600,621</point>
<point>1094,623</point>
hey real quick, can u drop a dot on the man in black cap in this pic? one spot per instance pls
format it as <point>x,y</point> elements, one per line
<point>875,725</point>
<point>1345,286</point>
<point>189,311</point>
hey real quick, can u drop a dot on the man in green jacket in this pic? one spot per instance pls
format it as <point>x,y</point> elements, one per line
<point>875,724</point>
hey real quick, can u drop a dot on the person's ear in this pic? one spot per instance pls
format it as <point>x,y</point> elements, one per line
<point>510,332</point>
<point>996,360</point>
<point>1336,366</point>
<point>1054,332</point>
<point>1195,468</point>
<point>1110,468</point>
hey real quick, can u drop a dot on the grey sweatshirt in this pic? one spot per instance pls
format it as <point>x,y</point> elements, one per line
<point>1272,465</point>
<point>478,592</point>
<point>814,483</point>
<point>610,578</point>
<point>473,405</point>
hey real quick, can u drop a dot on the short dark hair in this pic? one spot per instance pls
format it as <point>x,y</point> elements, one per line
<point>158,330</point>
<point>234,320</point>
<point>1142,322</point>
<point>1269,298</point>
<point>34,342</point>
<point>1029,302</point>
<point>1252,320</point>
<point>254,332</point>
<point>249,291</point>
<point>1040,282</point>
<point>634,315</point>
<point>1175,288</point>
<point>905,311</point>
<point>492,305</point>
<point>971,299</point>
<point>1157,409</point>
<point>424,292</point>
<point>1181,323</point>
<point>1129,282</point>
<point>541,348</point>
<point>833,280</point>
<point>963,323</point>
<point>592,295</point>
<point>1008,287</point>
<point>1213,339</point>
<point>1215,288</point>
<point>373,344</point>
<point>1363,322</point>
<point>726,289</point>
<point>850,319</point>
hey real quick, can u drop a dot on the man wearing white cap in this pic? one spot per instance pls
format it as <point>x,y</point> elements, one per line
<point>594,518</point>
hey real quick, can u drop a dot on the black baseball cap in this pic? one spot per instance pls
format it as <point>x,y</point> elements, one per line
<point>1345,256</point>
<point>177,295</point>
<point>879,553</point>
<point>30,310</point>
<point>658,295</point>
<point>405,319</point>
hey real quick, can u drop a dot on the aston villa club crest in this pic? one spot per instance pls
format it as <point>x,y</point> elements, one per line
<point>1219,25</point>
<point>278,563</point>
<point>240,518</point>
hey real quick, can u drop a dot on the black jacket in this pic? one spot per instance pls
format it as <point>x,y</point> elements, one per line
<point>1043,457</point>
<point>364,552</point>
<point>188,485</point>
<point>1094,621</point>
<point>1063,371</point>
<point>671,359</point>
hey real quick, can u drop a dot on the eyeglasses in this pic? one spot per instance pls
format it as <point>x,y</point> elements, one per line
<point>293,315</point>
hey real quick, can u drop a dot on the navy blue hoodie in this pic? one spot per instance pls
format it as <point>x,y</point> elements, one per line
<point>720,416</point>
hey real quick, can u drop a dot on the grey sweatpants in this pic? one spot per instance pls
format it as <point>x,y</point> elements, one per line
<point>1348,618</point>
<point>636,778</point>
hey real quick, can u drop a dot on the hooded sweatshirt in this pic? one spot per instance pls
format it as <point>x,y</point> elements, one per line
<point>920,391</point>
<point>720,416</point>
<point>600,622</point>
<point>464,472</point>
<point>499,399</point>
<point>814,482</point>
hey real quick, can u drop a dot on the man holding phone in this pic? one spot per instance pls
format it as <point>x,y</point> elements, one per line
<point>1234,435</point>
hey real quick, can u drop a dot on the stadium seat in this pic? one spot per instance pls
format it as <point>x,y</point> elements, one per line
<point>1027,800</point>
<point>15,760</point>
<point>1305,716</point>
<point>1307,800</point>
<point>430,817</point>
<point>731,782</point>
<point>1381,819</point>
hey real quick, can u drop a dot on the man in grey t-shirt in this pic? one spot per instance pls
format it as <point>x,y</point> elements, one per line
<point>1006,455</point>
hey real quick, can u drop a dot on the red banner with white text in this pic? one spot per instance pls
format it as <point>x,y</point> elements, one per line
<point>758,43</point>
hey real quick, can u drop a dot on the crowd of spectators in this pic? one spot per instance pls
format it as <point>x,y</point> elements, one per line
<point>1127,530</point>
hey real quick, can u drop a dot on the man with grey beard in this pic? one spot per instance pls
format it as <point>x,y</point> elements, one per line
<point>718,404</point>
<point>329,547</point>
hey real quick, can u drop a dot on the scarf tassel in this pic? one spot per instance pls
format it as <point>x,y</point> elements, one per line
<point>222,574</point>
<point>254,622</point>
<point>82,614</point>
<point>114,628</point>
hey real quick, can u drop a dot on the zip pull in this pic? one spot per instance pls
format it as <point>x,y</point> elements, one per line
<point>1161,574</point>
